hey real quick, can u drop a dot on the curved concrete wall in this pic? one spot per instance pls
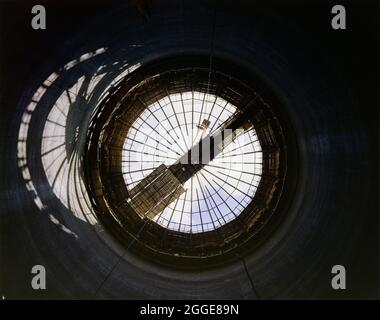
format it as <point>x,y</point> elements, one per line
<point>50,89</point>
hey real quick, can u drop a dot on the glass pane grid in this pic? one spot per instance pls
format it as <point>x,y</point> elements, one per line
<point>222,189</point>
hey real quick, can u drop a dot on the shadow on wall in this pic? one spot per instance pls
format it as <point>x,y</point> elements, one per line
<point>52,137</point>
<point>56,150</point>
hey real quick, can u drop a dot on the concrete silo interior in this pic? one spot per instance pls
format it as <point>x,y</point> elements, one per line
<point>101,111</point>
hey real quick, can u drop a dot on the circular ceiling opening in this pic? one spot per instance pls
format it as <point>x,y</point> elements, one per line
<point>216,194</point>
<point>186,166</point>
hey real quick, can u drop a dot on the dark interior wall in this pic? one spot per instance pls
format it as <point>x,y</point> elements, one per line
<point>328,81</point>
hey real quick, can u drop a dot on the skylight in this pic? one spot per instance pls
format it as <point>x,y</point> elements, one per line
<point>222,189</point>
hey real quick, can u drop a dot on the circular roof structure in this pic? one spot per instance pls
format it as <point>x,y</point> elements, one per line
<point>222,189</point>
<point>184,164</point>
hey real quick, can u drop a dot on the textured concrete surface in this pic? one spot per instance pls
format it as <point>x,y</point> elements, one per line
<point>327,82</point>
